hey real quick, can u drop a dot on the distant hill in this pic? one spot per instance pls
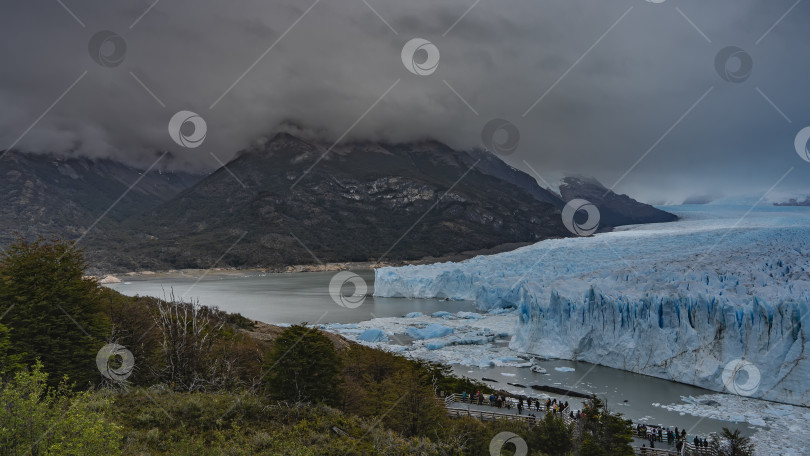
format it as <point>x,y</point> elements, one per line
<point>362,202</point>
<point>44,195</point>
<point>794,202</point>
<point>494,166</point>
<point>699,199</point>
<point>614,209</point>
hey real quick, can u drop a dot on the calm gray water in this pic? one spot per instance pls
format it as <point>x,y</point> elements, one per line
<point>304,297</point>
<point>281,298</point>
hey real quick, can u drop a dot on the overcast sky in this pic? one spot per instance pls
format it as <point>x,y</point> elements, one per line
<point>605,80</point>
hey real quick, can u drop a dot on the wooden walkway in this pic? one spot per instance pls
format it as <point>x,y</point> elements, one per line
<point>486,412</point>
<point>688,450</point>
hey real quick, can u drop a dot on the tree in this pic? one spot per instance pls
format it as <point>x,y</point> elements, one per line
<point>302,366</point>
<point>395,389</point>
<point>552,436</point>
<point>731,444</point>
<point>410,407</point>
<point>603,433</point>
<point>53,312</point>
<point>8,363</point>
<point>189,332</point>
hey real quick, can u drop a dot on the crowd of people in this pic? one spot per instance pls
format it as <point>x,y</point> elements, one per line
<point>652,433</point>
<point>501,401</point>
<point>675,437</point>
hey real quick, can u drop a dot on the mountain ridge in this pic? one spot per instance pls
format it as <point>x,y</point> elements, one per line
<point>361,202</point>
<point>57,196</point>
<point>288,201</point>
<point>614,209</point>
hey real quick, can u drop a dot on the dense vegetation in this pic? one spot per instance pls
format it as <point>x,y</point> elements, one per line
<point>730,443</point>
<point>202,383</point>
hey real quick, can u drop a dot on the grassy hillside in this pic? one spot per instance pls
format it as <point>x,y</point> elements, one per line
<point>182,379</point>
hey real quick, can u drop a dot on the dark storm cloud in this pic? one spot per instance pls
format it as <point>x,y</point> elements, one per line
<point>606,113</point>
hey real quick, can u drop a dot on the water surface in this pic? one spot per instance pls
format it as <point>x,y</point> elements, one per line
<point>304,297</point>
<point>280,298</point>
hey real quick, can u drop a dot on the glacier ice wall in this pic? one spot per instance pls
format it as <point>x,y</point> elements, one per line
<point>682,338</point>
<point>680,301</point>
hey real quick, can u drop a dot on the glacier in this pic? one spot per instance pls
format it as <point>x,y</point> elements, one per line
<point>690,301</point>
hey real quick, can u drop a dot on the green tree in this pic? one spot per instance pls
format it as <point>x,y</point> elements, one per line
<point>395,389</point>
<point>604,433</point>
<point>410,407</point>
<point>302,366</point>
<point>40,420</point>
<point>8,363</point>
<point>731,444</point>
<point>552,436</point>
<point>52,311</point>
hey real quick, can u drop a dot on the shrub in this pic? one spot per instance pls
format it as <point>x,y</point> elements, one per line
<point>37,419</point>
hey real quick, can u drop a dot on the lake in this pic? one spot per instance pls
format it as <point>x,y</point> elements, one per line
<point>304,297</point>
<point>280,298</point>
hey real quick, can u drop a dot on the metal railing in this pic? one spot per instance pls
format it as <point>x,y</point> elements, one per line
<point>487,415</point>
<point>688,449</point>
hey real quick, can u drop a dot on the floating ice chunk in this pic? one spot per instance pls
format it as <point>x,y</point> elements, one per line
<point>470,315</point>
<point>437,344</point>
<point>564,369</point>
<point>509,359</point>
<point>472,340</point>
<point>338,326</point>
<point>373,335</point>
<point>443,314</point>
<point>501,310</point>
<point>432,331</point>
<point>413,314</point>
<point>507,374</point>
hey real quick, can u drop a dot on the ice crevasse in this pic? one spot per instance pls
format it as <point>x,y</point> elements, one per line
<point>718,299</point>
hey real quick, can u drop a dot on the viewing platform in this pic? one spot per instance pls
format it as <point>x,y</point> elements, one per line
<point>486,411</point>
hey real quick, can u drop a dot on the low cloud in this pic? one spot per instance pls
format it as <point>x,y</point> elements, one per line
<point>250,68</point>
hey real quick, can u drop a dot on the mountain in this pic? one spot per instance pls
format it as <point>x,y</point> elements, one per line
<point>794,202</point>
<point>289,201</point>
<point>361,202</point>
<point>494,166</point>
<point>614,209</point>
<point>50,196</point>
<point>698,199</point>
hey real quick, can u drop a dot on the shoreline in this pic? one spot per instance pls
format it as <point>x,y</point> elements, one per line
<point>232,271</point>
<point>117,277</point>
